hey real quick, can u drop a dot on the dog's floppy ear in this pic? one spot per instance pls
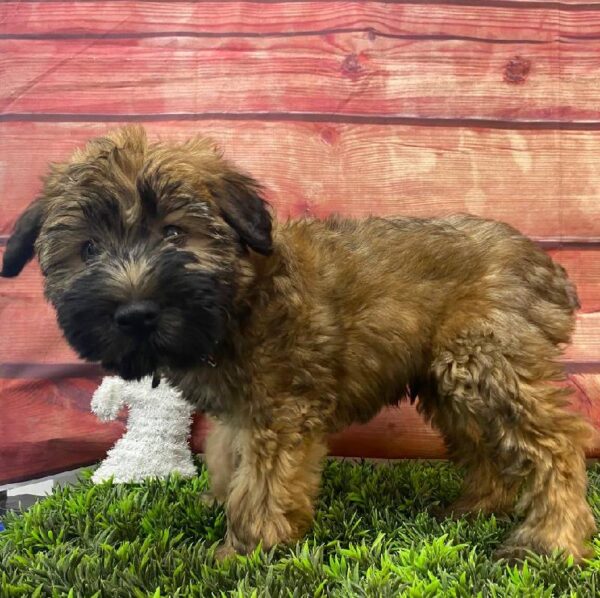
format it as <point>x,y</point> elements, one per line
<point>242,207</point>
<point>19,247</point>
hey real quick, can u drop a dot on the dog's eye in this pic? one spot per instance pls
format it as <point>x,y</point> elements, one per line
<point>173,234</point>
<point>88,251</point>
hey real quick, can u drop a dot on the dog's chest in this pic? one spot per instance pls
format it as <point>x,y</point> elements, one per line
<point>215,390</point>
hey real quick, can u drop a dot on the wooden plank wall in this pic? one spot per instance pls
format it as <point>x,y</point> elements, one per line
<point>415,107</point>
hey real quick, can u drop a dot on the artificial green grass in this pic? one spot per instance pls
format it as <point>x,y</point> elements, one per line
<point>373,536</point>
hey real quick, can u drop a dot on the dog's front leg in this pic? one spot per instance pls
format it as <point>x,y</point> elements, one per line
<point>221,460</point>
<point>272,490</point>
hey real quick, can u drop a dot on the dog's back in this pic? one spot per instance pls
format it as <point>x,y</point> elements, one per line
<point>440,262</point>
<point>551,297</point>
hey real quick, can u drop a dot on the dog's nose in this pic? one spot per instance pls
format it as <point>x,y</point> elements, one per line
<point>137,318</point>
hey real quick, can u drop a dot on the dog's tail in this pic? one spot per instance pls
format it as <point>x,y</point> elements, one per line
<point>558,288</point>
<point>555,299</point>
<point>569,288</point>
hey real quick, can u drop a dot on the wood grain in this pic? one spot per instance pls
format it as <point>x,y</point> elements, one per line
<point>353,74</point>
<point>583,267</point>
<point>47,427</point>
<point>584,353</point>
<point>409,107</point>
<point>546,183</point>
<point>514,21</point>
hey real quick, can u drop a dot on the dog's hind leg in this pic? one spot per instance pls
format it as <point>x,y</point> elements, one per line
<point>552,439</point>
<point>272,492</point>
<point>509,425</point>
<point>483,489</point>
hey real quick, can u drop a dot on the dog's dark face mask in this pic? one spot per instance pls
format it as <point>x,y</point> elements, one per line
<point>143,248</point>
<point>169,313</point>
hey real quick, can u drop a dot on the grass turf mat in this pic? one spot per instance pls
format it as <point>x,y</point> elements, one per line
<point>373,536</point>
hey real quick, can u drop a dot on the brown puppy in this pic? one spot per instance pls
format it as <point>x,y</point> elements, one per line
<point>162,259</point>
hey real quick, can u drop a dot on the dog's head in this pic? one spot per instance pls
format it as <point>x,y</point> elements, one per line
<point>142,247</point>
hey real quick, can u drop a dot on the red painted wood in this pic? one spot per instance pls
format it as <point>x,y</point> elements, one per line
<point>586,340</point>
<point>297,18</point>
<point>516,20</point>
<point>46,427</point>
<point>374,83</point>
<point>583,267</point>
<point>547,183</point>
<point>353,73</point>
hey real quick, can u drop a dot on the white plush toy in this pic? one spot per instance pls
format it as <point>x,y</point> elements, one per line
<point>158,430</point>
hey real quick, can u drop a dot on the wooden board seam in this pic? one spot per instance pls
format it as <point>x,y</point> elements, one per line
<point>256,34</point>
<point>316,117</point>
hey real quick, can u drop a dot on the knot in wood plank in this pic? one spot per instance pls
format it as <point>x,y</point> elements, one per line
<point>351,66</point>
<point>516,70</point>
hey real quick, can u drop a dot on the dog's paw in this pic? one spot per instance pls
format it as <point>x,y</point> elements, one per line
<point>225,551</point>
<point>456,510</point>
<point>468,509</point>
<point>448,512</point>
<point>209,499</point>
<point>512,553</point>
